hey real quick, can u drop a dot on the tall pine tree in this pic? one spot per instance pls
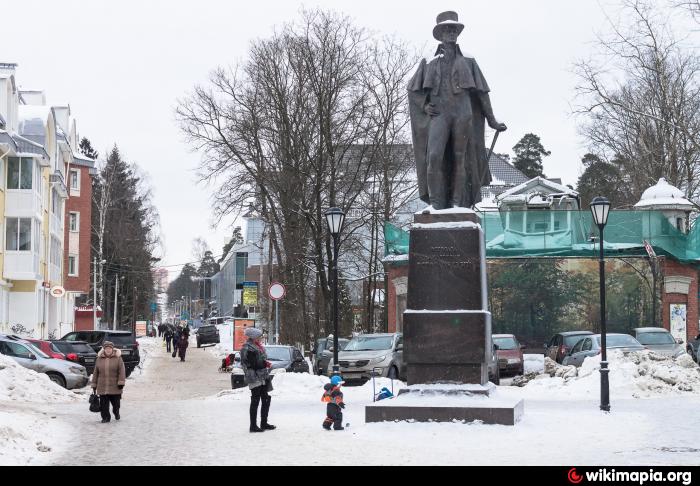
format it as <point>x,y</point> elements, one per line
<point>125,234</point>
<point>529,153</point>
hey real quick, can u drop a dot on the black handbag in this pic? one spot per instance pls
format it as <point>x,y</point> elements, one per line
<point>94,403</point>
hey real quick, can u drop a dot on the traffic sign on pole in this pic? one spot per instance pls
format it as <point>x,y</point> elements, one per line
<point>277,291</point>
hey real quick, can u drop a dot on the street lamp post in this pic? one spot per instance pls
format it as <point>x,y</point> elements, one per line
<point>600,207</point>
<point>335,218</point>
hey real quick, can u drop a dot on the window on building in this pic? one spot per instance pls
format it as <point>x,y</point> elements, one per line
<point>74,222</point>
<point>516,221</point>
<point>560,220</point>
<point>20,173</point>
<point>18,236</point>
<point>75,179</point>
<point>56,204</point>
<point>73,266</point>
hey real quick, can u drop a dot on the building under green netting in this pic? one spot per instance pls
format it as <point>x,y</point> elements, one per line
<point>543,273</point>
<point>572,234</point>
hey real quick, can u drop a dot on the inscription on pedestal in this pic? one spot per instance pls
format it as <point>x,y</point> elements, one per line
<point>445,272</point>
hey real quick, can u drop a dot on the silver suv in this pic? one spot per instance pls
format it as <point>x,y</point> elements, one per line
<point>64,373</point>
<point>381,354</point>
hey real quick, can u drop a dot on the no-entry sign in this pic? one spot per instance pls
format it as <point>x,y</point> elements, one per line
<point>277,291</point>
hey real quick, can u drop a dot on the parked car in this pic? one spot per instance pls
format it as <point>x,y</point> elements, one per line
<point>207,335</point>
<point>78,352</point>
<point>509,353</point>
<point>372,354</point>
<point>493,368</point>
<point>123,340</point>
<point>288,358</point>
<point>47,348</point>
<point>590,346</point>
<point>322,359</point>
<point>64,373</point>
<point>563,342</point>
<point>213,321</point>
<point>659,340</point>
<point>693,347</point>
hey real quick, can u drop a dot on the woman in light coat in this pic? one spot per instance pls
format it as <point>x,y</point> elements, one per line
<point>108,380</point>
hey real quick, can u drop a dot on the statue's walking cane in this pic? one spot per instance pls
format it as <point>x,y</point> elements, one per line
<point>488,159</point>
<point>493,144</point>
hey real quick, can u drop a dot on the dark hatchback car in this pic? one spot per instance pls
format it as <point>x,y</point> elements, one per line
<point>78,352</point>
<point>288,358</point>
<point>561,344</point>
<point>207,335</point>
<point>123,340</point>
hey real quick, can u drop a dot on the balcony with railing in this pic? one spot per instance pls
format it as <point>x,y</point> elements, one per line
<point>56,225</point>
<point>23,204</point>
<point>22,265</point>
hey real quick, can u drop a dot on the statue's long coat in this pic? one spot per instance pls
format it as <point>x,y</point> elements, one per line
<point>465,75</point>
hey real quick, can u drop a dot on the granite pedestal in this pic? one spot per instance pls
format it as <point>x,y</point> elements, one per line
<point>447,327</point>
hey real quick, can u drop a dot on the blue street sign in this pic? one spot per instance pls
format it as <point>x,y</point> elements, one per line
<point>154,307</point>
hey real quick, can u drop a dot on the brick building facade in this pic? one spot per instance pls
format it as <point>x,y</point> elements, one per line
<point>77,250</point>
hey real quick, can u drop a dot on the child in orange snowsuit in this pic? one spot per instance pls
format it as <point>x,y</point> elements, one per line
<point>333,398</point>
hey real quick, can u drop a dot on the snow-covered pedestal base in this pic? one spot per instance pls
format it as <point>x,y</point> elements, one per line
<point>448,403</point>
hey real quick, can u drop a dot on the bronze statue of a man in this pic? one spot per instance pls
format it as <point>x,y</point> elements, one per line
<point>449,105</point>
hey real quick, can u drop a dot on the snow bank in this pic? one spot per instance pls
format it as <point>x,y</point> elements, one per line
<point>225,347</point>
<point>29,439</point>
<point>23,385</point>
<point>534,363</point>
<point>641,374</point>
<point>148,346</point>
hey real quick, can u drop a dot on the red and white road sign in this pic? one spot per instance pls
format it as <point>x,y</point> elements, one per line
<point>277,291</point>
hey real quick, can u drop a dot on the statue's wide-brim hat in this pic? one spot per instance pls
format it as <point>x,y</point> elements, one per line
<point>445,19</point>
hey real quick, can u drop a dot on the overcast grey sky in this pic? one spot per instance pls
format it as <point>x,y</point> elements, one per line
<point>122,65</point>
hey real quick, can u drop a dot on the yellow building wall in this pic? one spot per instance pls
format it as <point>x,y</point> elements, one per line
<point>24,285</point>
<point>45,224</point>
<point>2,218</point>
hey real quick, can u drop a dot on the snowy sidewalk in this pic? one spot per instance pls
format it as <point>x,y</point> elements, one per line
<point>167,421</point>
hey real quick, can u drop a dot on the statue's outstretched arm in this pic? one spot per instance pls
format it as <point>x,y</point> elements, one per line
<point>485,100</point>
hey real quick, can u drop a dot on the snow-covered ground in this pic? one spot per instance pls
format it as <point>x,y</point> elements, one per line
<point>562,424</point>
<point>28,436</point>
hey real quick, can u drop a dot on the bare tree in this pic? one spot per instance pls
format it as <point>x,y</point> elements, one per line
<point>640,98</point>
<point>292,131</point>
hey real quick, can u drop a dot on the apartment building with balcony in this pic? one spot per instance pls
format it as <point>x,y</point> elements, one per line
<point>37,147</point>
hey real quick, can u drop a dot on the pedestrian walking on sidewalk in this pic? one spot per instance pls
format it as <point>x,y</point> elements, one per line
<point>168,339</point>
<point>108,380</point>
<point>182,345</point>
<point>257,376</point>
<point>176,341</point>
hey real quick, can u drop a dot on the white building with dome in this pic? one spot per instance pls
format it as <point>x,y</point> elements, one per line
<point>672,202</point>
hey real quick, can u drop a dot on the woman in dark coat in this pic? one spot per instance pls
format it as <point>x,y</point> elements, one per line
<point>257,376</point>
<point>182,345</point>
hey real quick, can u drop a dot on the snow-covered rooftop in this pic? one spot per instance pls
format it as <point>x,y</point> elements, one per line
<point>32,119</point>
<point>664,195</point>
<point>540,182</point>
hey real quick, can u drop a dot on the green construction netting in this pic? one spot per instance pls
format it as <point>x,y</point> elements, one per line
<point>566,234</point>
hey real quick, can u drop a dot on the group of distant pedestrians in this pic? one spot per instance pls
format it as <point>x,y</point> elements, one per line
<point>176,340</point>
